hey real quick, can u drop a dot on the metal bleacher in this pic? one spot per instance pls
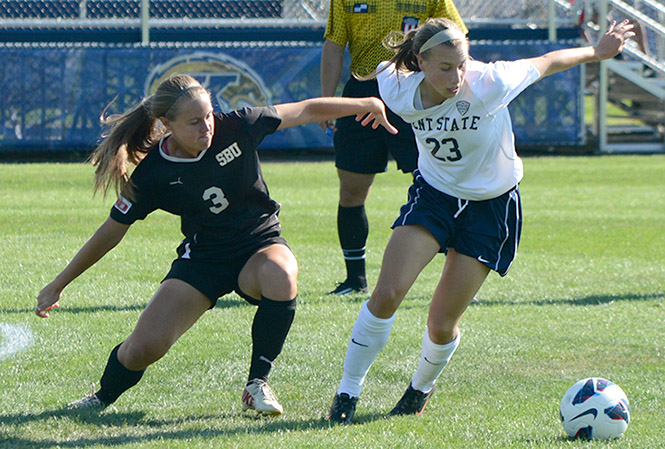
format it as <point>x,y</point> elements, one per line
<point>634,82</point>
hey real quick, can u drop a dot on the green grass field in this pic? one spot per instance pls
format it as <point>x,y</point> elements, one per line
<point>585,297</point>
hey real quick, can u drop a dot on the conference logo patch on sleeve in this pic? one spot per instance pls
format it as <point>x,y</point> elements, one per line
<point>123,204</point>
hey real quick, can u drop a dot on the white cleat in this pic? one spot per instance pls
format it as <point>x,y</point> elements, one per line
<point>90,401</point>
<point>258,396</point>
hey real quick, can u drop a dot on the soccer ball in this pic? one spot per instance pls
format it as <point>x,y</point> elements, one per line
<point>595,408</point>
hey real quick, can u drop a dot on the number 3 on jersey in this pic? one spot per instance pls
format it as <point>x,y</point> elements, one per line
<point>446,150</point>
<point>216,195</point>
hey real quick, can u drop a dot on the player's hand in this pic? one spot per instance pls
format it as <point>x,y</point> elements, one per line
<point>46,300</point>
<point>376,116</point>
<point>611,43</point>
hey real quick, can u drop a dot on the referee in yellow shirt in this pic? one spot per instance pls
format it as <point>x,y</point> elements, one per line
<point>361,152</point>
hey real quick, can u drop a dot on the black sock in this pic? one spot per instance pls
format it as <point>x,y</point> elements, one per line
<point>272,322</point>
<point>353,229</point>
<point>116,379</point>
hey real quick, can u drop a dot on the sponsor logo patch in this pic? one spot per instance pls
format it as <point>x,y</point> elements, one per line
<point>123,204</point>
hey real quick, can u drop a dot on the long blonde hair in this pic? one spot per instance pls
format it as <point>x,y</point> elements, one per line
<point>131,135</point>
<point>407,46</point>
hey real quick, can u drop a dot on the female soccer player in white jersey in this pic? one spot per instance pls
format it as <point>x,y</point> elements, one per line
<point>203,167</point>
<point>464,200</point>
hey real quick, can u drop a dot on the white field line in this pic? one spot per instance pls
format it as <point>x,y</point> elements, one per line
<point>13,339</point>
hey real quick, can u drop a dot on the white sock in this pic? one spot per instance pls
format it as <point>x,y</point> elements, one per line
<point>370,334</point>
<point>433,359</point>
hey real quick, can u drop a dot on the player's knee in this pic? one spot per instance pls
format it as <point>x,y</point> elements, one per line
<point>352,198</point>
<point>139,355</point>
<point>442,331</point>
<point>385,300</point>
<point>282,278</point>
<point>353,191</point>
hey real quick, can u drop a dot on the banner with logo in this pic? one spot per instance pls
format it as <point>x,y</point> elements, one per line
<point>52,98</point>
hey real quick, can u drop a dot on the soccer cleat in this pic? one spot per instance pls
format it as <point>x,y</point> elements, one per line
<point>258,396</point>
<point>347,287</point>
<point>90,401</point>
<point>342,409</point>
<point>413,402</point>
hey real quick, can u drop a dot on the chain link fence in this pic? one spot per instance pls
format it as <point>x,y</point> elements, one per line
<point>182,12</point>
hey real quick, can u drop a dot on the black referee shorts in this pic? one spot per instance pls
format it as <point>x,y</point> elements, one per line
<point>361,149</point>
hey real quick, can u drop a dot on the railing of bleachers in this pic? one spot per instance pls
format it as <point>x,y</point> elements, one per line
<point>649,15</point>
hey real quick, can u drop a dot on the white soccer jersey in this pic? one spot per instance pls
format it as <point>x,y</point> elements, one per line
<point>466,144</point>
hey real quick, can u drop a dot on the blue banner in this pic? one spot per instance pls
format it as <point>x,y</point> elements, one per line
<point>52,97</point>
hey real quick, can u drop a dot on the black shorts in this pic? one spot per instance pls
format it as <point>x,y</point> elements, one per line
<point>218,278</point>
<point>488,231</point>
<point>361,149</point>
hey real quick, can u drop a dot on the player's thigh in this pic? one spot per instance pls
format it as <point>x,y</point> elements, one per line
<point>409,250</point>
<point>174,308</point>
<point>271,272</point>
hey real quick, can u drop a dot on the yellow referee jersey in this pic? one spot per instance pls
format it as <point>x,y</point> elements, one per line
<point>363,25</point>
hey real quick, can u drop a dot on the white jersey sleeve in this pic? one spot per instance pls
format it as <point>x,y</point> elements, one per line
<point>502,81</point>
<point>466,144</point>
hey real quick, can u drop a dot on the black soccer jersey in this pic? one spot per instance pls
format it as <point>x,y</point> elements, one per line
<point>221,197</point>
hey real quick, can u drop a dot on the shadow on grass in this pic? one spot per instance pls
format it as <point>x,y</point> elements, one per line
<point>592,300</point>
<point>223,303</point>
<point>157,430</point>
<point>79,416</point>
<point>76,310</point>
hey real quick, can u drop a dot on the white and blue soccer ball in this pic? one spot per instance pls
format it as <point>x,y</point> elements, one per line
<point>595,408</point>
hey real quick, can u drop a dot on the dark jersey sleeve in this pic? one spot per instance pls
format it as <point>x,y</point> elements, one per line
<point>259,122</point>
<point>128,211</point>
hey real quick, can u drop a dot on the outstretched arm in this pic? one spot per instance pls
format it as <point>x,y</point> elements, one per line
<point>368,110</point>
<point>109,234</point>
<point>609,45</point>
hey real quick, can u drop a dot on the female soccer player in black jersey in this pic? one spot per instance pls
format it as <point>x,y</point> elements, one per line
<point>204,167</point>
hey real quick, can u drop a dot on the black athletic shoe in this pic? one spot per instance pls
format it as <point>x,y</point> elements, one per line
<point>347,287</point>
<point>413,402</point>
<point>342,409</point>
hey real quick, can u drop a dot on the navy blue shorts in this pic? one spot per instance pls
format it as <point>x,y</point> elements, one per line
<point>216,279</point>
<point>488,231</point>
<point>361,149</point>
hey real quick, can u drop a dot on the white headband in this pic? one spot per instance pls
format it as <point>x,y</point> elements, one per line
<point>441,37</point>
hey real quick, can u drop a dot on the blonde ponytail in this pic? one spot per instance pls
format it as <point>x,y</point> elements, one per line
<point>130,136</point>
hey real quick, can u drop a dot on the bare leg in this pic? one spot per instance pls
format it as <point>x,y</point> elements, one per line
<point>462,278</point>
<point>174,308</point>
<point>410,249</point>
